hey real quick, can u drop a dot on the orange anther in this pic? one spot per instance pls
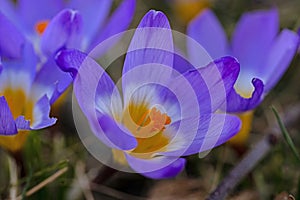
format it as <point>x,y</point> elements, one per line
<point>41,26</point>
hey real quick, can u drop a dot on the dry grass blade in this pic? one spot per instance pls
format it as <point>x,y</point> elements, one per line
<point>44,183</point>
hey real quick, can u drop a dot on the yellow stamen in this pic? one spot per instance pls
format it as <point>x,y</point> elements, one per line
<point>148,126</point>
<point>242,136</point>
<point>41,26</point>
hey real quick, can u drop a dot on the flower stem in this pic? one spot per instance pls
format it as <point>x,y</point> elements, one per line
<point>20,163</point>
<point>13,174</point>
<point>256,154</point>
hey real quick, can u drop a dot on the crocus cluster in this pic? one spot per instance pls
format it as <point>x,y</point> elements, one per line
<point>31,34</point>
<point>168,106</point>
<point>262,52</point>
<point>162,114</point>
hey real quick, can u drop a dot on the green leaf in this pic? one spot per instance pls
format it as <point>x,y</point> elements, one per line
<point>285,133</point>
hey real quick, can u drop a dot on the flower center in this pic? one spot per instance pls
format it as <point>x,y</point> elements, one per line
<point>148,126</point>
<point>41,26</point>
<point>18,103</point>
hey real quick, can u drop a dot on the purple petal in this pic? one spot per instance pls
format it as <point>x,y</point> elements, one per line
<point>279,58</point>
<point>253,37</point>
<point>1,66</point>
<point>236,103</point>
<point>208,32</point>
<point>50,81</point>
<point>98,98</point>
<point>150,53</point>
<point>169,171</point>
<point>7,123</point>
<point>22,123</point>
<point>93,12</point>
<point>162,98</point>
<point>11,39</point>
<point>93,87</point>
<point>8,8</point>
<point>182,64</point>
<point>64,31</point>
<point>124,14</point>
<point>19,73</point>
<point>195,135</point>
<point>33,11</point>
<point>212,83</point>
<point>41,114</point>
<point>70,60</point>
<point>157,167</point>
<point>117,135</point>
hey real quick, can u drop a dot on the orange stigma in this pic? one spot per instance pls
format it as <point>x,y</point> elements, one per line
<point>155,118</point>
<point>41,26</point>
<point>159,120</point>
<point>148,126</point>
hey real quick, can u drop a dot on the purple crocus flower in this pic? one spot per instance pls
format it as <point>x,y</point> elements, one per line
<point>264,56</point>
<point>30,36</point>
<point>49,32</point>
<point>261,51</point>
<point>33,16</point>
<point>162,114</point>
<point>19,108</point>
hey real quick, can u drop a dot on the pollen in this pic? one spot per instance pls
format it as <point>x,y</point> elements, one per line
<point>41,26</point>
<point>159,120</point>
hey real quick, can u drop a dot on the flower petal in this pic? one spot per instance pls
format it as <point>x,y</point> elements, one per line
<point>98,98</point>
<point>32,11</point>
<point>94,13</point>
<point>280,56</point>
<point>253,37</point>
<point>169,171</point>
<point>182,63</point>
<point>64,31</point>
<point>213,83</point>
<point>160,97</point>
<point>7,123</point>
<point>150,53</point>
<point>22,123</point>
<point>50,81</point>
<point>236,103</point>
<point>208,32</point>
<point>118,136</point>
<point>41,114</point>
<point>124,13</point>
<point>11,39</point>
<point>93,87</point>
<point>157,167</point>
<point>20,72</point>
<point>195,135</point>
<point>8,8</point>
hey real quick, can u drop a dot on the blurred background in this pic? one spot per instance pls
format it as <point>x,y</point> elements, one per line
<point>276,176</point>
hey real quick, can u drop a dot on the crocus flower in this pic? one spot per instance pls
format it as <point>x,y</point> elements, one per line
<point>19,110</point>
<point>163,114</point>
<point>50,31</point>
<point>31,83</point>
<point>33,17</point>
<point>262,52</point>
